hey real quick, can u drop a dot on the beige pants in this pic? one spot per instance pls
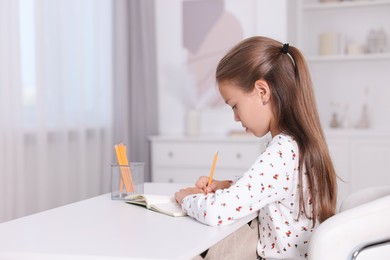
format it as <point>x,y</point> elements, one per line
<point>241,244</point>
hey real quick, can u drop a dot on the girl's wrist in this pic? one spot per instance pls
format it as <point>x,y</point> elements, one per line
<point>225,184</point>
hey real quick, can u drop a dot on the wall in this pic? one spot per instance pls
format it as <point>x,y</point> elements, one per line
<point>175,83</point>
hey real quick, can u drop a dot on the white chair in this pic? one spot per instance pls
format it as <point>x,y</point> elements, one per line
<point>361,230</point>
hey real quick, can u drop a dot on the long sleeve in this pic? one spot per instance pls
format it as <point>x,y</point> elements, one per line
<point>268,180</point>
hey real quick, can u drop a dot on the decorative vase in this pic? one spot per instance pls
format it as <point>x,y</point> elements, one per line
<point>192,122</point>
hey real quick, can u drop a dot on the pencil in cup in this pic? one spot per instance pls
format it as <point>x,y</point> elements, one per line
<point>213,168</point>
<point>126,176</point>
<point>117,171</point>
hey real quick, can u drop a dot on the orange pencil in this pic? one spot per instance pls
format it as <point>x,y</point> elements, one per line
<point>122,161</point>
<point>213,168</point>
<point>128,170</point>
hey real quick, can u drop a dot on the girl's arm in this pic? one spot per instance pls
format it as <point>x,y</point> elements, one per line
<point>181,194</point>
<point>202,188</point>
<point>270,179</point>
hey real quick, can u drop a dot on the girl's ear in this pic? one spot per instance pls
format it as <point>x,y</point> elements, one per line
<point>263,91</point>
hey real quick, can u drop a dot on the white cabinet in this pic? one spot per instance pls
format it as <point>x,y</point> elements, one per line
<point>183,159</point>
<point>371,162</point>
<point>361,159</point>
<point>339,148</point>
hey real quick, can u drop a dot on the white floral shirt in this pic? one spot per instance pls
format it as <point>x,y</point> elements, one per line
<point>270,187</point>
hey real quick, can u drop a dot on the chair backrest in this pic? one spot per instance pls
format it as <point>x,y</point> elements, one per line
<point>363,196</point>
<point>363,218</point>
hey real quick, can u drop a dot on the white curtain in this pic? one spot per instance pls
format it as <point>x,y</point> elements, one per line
<point>135,101</point>
<point>55,103</point>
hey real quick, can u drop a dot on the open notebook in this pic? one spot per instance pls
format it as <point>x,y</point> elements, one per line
<point>160,203</point>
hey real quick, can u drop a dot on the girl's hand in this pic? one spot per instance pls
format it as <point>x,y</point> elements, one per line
<point>202,183</point>
<point>180,195</point>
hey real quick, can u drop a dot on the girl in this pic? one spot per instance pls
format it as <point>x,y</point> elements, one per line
<point>292,184</point>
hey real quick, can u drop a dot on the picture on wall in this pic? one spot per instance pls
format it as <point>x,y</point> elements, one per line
<point>206,40</point>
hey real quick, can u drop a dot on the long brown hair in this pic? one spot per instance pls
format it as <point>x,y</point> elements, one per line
<point>295,110</point>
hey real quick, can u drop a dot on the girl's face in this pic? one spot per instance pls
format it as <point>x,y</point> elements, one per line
<point>252,109</point>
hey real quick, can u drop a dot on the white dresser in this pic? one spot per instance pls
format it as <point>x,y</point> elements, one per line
<point>184,159</point>
<point>361,158</point>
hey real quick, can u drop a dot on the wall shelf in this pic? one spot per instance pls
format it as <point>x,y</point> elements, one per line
<point>357,133</point>
<point>317,6</point>
<point>347,58</point>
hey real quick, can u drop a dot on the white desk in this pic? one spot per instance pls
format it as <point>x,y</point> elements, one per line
<point>100,228</point>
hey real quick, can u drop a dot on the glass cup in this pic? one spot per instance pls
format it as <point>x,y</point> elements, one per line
<point>127,180</point>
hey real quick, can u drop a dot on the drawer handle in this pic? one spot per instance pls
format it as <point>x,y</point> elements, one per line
<point>238,156</point>
<point>170,154</point>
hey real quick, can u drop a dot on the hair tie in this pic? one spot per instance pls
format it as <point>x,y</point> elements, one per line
<point>285,48</point>
<point>285,51</point>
